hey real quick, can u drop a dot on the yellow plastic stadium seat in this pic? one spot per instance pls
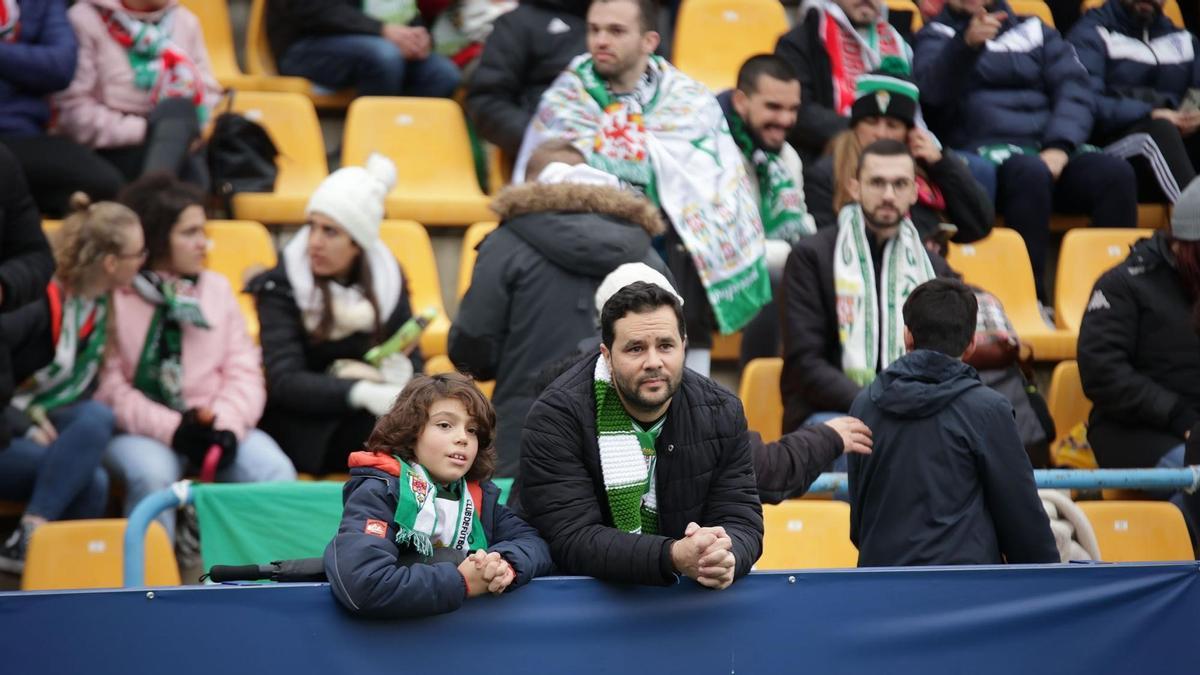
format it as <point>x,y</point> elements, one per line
<point>1033,8</point>
<point>1068,404</point>
<point>1085,255</point>
<point>49,226</point>
<point>727,347</point>
<point>442,364</point>
<point>1139,531</point>
<point>261,62</point>
<point>292,124</point>
<point>466,257</point>
<point>238,249</point>
<point>759,391</point>
<point>1152,216</point>
<point>410,244</point>
<point>910,7</point>
<point>805,534</point>
<point>72,554</point>
<point>222,54</point>
<point>1000,265</point>
<point>427,139</point>
<point>1170,10</point>
<point>713,38</point>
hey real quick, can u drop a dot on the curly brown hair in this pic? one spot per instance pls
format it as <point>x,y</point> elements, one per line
<point>398,430</point>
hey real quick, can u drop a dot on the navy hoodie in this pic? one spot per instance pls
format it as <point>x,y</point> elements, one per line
<point>948,481</point>
<point>38,63</point>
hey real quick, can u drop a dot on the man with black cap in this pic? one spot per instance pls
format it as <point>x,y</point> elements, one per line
<point>950,202</point>
<point>843,287</point>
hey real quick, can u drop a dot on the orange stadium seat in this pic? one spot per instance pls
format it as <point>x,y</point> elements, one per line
<point>292,124</point>
<point>73,554</point>
<point>714,37</point>
<point>1139,531</point>
<point>1033,8</point>
<point>805,534</point>
<point>759,391</point>
<point>427,139</point>
<point>1000,265</point>
<point>1085,255</point>
<point>222,53</point>
<point>261,62</point>
<point>238,249</point>
<point>410,244</point>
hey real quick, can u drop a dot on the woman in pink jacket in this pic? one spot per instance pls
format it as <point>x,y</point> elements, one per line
<point>142,88</point>
<point>182,374</point>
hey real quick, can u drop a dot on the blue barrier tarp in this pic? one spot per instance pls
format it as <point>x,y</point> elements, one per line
<point>1135,618</point>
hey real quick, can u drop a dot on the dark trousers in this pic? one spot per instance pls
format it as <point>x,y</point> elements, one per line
<point>56,167</point>
<point>63,479</point>
<point>1093,184</point>
<point>173,127</point>
<point>1177,160</point>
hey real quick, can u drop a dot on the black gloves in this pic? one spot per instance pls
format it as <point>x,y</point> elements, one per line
<point>195,435</point>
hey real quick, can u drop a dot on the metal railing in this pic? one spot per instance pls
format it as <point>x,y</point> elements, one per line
<point>1186,479</point>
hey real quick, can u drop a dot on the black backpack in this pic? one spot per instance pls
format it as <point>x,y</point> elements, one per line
<point>241,157</point>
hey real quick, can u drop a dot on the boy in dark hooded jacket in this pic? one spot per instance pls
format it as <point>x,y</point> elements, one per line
<point>948,481</point>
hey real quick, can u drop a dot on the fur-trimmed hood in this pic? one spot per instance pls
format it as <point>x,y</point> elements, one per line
<point>586,229</point>
<point>519,200</point>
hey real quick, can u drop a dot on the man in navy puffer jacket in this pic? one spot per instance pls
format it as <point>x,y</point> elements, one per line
<point>1141,67</point>
<point>1012,90</point>
<point>37,58</point>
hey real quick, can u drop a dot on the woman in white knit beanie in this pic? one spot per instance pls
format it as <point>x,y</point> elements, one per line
<point>337,292</point>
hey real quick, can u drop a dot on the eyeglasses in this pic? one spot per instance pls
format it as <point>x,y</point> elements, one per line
<point>140,255</point>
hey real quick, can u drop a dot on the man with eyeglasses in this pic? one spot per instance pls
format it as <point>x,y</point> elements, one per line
<point>844,286</point>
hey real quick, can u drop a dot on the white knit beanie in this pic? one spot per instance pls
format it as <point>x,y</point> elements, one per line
<point>353,197</point>
<point>625,275</point>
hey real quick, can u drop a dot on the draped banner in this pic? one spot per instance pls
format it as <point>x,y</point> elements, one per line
<point>1093,618</point>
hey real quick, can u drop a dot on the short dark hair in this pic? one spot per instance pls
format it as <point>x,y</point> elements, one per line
<point>647,12</point>
<point>886,147</point>
<point>763,64</point>
<point>941,315</point>
<point>158,198</point>
<point>399,428</point>
<point>640,298</point>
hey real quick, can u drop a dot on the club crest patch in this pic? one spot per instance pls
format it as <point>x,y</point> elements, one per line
<point>376,528</point>
<point>420,489</point>
<point>883,99</point>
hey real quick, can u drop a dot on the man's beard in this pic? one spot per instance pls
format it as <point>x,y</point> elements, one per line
<point>878,224</point>
<point>631,396</point>
<point>759,142</point>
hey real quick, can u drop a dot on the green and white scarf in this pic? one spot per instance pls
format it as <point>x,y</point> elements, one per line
<point>159,373</point>
<point>780,200</point>
<point>627,459</point>
<point>866,318</point>
<point>418,522</point>
<point>672,141</point>
<point>77,354</point>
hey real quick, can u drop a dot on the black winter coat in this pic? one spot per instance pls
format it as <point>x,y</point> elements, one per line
<point>967,204</point>
<point>531,299</point>
<point>305,405</point>
<point>1133,69</point>
<point>365,571</point>
<point>1025,87</point>
<point>289,21</point>
<point>817,122</point>
<point>26,263</point>
<point>527,48</point>
<point>704,474</point>
<point>947,481</point>
<point>812,379</point>
<point>785,468</point>
<point>1139,359</point>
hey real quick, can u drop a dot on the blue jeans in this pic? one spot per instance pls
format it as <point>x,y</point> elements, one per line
<point>63,479</point>
<point>146,465</point>
<point>371,65</point>
<point>983,170</point>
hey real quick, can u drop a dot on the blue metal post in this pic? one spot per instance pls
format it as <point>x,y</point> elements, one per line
<point>1187,479</point>
<point>139,520</point>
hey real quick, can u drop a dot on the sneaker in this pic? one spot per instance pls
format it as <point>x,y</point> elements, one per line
<point>12,553</point>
